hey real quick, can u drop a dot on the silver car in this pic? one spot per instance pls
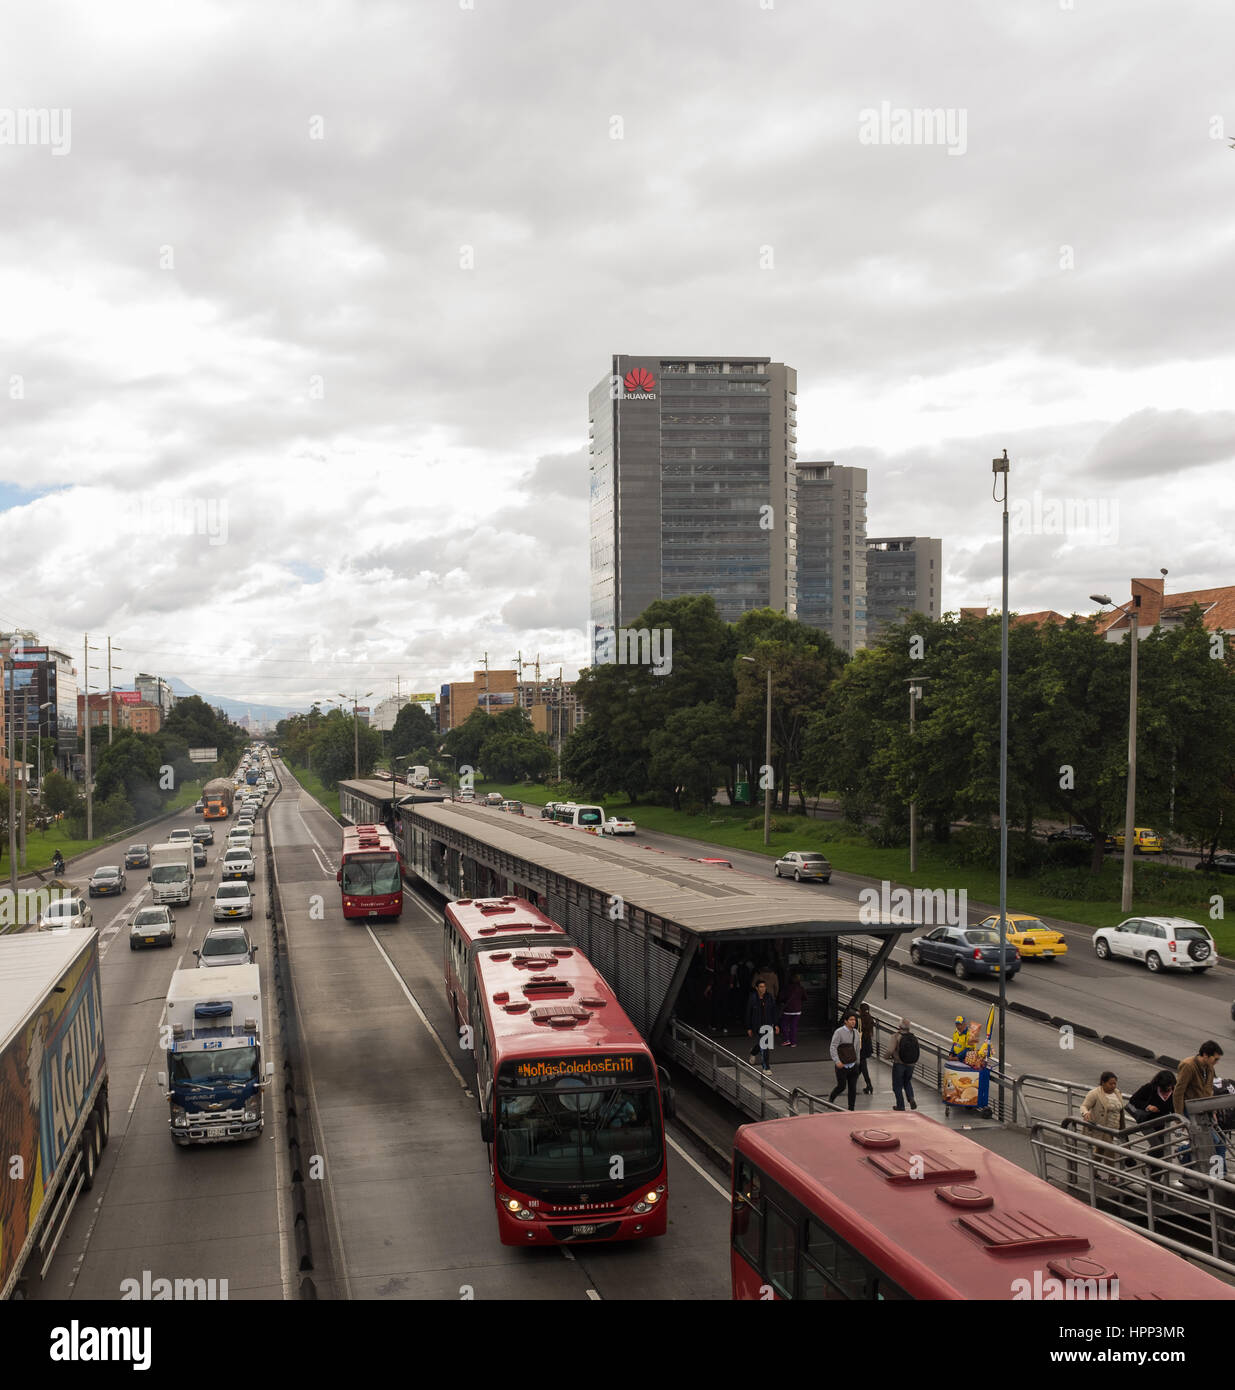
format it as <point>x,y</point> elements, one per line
<point>228,945</point>
<point>152,926</point>
<point>804,864</point>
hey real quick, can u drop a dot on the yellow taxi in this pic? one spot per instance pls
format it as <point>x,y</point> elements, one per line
<point>1031,936</point>
<point>1144,841</point>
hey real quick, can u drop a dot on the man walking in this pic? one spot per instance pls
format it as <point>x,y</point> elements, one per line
<point>905,1054</point>
<point>844,1051</point>
<point>761,1023</point>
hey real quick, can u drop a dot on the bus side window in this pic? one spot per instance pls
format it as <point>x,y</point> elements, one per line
<point>831,1270</point>
<point>748,1214</point>
<point>781,1251</point>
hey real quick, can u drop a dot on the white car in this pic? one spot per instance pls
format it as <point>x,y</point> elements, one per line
<point>1161,943</point>
<point>65,913</point>
<point>232,900</point>
<point>240,837</point>
<point>615,825</point>
<point>238,863</point>
<point>151,926</point>
<point>182,835</point>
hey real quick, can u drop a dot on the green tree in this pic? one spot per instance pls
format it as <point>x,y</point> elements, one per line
<point>130,765</point>
<point>464,742</point>
<point>507,757</point>
<point>594,760</point>
<point>334,748</point>
<point>59,794</point>
<point>412,729</point>
<point>692,752</point>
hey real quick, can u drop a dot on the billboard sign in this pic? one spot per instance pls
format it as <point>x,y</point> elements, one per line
<point>203,755</point>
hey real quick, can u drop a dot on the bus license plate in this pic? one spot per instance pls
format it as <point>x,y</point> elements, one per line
<point>372,912</point>
<point>583,1230</point>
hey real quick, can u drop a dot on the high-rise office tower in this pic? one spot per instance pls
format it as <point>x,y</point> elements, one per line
<point>903,575</point>
<point>830,515</point>
<point>691,485</point>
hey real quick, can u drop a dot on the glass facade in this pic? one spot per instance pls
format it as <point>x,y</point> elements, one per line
<point>830,516</point>
<point>690,461</point>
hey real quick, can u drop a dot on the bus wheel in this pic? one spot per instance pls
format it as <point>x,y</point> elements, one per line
<point>89,1154</point>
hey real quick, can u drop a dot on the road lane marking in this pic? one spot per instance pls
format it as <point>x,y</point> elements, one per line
<point>411,999</point>
<point>707,1177</point>
<point>137,1090</point>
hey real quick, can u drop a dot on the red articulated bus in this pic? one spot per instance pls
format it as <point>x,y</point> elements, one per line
<point>370,872</point>
<point>827,1207</point>
<point>570,1101</point>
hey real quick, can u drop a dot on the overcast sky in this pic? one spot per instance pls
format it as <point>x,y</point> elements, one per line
<point>300,303</point>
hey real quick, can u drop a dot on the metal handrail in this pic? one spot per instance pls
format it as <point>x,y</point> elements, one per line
<point>1183,1208</point>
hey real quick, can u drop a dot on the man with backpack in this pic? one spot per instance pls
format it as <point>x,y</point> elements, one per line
<point>905,1053</point>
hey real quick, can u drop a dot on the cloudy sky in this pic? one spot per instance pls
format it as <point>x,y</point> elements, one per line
<point>300,303</point>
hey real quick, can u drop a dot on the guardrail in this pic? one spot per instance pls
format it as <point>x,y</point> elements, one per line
<point>1135,1176</point>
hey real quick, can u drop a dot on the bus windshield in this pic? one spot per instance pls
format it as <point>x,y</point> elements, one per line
<point>232,1064</point>
<point>569,1134</point>
<point>371,875</point>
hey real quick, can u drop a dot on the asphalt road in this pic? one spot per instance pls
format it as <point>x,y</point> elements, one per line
<point>202,1212</point>
<point>1170,1013</point>
<point>407,1172</point>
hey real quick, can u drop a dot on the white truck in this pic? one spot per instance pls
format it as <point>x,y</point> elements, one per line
<point>417,776</point>
<point>214,1055</point>
<point>171,873</point>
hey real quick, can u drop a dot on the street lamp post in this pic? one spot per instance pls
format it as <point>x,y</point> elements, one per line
<point>1134,614</point>
<point>10,662</point>
<point>915,694</point>
<point>1000,468</point>
<point>47,704</point>
<point>86,669</point>
<point>110,701</point>
<point>355,699</point>
<point>767,757</point>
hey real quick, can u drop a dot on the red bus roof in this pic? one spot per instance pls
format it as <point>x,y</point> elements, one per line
<point>540,998</point>
<point>961,1222</point>
<point>481,918</point>
<point>368,839</point>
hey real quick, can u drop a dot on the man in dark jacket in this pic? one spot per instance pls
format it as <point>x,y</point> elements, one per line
<point>761,1022</point>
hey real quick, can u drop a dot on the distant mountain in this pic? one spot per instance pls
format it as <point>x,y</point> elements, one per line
<point>266,714</point>
<point>262,714</point>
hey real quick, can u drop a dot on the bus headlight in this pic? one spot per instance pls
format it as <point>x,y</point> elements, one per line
<point>516,1208</point>
<point>646,1202</point>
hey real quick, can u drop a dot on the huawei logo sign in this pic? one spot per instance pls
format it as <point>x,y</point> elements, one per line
<point>639,384</point>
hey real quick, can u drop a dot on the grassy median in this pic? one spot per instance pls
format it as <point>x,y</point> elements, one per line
<point>1159,890</point>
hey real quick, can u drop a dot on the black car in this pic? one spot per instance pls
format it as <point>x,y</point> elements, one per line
<point>1218,864</point>
<point>204,833</point>
<point>108,879</point>
<point>964,950</point>
<point>137,857</point>
<point>1070,832</point>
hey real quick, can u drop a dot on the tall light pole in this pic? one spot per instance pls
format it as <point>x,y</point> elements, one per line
<point>87,668</point>
<point>1000,468</point>
<point>1134,614</point>
<point>47,704</point>
<point>10,663</point>
<point>915,694</point>
<point>355,699</point>
<point>767,757</point>
<point>110,701</point>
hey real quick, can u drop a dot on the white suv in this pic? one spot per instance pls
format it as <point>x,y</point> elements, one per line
<point>1162,943</point>
<point>237,863</point>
